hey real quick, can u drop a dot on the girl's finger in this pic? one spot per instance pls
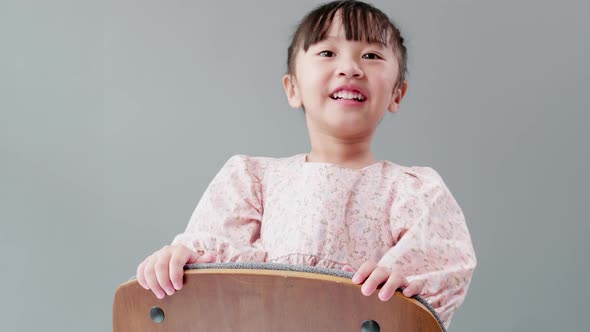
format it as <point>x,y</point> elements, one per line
<point>162,269</point>
<point>377,277</point>
<point>151,280</point>
<point>207,258</point>
<point>348,268</point>
<point>139,275</point>
<point>394,282</point>
<point>414,288</point>
<point>363,272</point>
<point>176,267</point>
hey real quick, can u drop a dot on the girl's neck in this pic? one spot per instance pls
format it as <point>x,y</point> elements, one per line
<point>351,152</point>
<point>345,156</point>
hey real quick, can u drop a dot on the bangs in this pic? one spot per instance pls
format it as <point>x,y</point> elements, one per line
<point>361,22</point>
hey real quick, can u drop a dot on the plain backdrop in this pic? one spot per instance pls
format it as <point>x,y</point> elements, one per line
<point>115,116</point>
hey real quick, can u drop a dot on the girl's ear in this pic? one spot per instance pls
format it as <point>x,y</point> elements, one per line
<point>293,95</point>
<point>397,97</point>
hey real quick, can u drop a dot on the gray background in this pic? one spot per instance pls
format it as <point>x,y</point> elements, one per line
<point>116,115</point>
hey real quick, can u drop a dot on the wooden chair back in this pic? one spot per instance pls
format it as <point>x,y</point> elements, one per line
<point>259,300</point>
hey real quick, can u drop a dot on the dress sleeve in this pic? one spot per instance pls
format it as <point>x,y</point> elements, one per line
<point>228,216</point>
<point>432,241</point>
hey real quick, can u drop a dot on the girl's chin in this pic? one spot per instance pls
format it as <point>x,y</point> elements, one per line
<point>346,118</point>
<point>347,126</point>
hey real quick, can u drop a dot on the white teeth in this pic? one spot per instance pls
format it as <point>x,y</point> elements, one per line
<point>348,95</point>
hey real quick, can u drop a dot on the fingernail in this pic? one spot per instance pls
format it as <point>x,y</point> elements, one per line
<point>356,278</point>
<point>364,290</point>
<point>160,296</point>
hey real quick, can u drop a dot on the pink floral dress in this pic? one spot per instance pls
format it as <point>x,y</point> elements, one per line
<point>287,210</point>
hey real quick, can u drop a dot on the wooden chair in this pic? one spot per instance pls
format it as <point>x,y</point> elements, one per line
<point>268,297</point>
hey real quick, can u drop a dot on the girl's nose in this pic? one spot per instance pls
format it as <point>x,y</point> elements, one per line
<point>351,69</point>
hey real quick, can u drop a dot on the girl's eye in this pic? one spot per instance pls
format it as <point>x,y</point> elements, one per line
<point>371,56</point>
<point>326,53</point>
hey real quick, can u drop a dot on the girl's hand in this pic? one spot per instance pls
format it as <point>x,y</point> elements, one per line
<point>377,275</point>
<point>162,271</point>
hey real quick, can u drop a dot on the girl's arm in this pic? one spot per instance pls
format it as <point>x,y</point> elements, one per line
<point>433,242</point>
<point>227,218</point>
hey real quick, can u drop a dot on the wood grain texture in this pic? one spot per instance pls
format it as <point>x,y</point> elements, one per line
<point>266,300</point>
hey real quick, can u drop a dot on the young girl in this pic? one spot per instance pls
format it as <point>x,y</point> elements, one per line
<point>336,206</point>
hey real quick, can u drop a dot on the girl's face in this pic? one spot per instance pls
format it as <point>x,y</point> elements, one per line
<point>344,86</point>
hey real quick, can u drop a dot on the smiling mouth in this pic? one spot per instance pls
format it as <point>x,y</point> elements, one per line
<point>348,95</point>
